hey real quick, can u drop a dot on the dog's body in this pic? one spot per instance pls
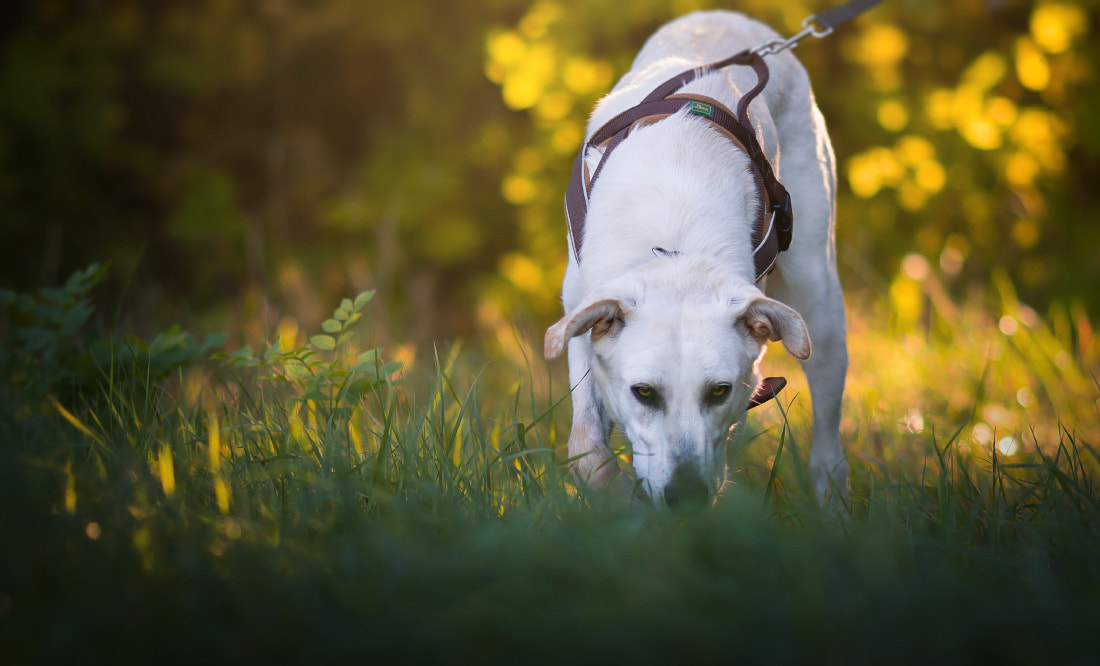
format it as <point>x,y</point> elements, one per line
<point>667,347</point>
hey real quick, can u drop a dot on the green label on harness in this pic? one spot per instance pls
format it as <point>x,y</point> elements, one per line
<point>702,109</point>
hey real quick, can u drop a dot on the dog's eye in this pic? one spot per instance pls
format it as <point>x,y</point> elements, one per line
<point>718,393</point>
<point>646,394</point>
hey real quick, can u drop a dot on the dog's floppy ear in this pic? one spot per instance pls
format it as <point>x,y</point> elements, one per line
<point>768,319</point>
<point>599,313</point>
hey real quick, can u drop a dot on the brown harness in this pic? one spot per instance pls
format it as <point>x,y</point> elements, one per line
<point>771,233</point>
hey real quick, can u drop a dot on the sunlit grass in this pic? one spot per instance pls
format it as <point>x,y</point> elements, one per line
<point>311,503</point>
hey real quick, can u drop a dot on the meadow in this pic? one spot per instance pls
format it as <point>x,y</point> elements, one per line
<point>271,484</point>
<point>311,501</point>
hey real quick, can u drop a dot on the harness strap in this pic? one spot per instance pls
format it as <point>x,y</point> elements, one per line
<point>771,234</point>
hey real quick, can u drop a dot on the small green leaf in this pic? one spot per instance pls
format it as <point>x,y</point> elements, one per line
<point>332,326</point>
<point>37,338</point>
<point>243,352</point>
<point>356,388</point>
<point>362,299</point>
<point>390,368</point>
<point>369,356</point>
<point>242,357</point>
<point>323,342</point>
<point>315,395</point>
<point>212,341</point>
<point>75,318</point>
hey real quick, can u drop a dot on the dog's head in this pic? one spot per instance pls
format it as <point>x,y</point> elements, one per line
<point>675,354</point>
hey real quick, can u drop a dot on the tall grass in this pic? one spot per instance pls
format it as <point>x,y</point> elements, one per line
<point>310,502</point>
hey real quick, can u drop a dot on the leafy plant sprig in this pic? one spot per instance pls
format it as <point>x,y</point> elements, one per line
<point>320,369</point>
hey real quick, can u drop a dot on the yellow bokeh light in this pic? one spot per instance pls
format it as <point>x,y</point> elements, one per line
<point>967,105</point>
<point>70,489</point>
<point>527,81</point>
<point>584,76</point>
<point>1039,133</point>
<point>166,470</point>
<point>931,176</point>
<point>554,106</point>
<point>1001,111</point>
<point>986,71</point>
<point>495,72</point>
<point>523,272</point>
<point>1021,169</point>
<point>911,196</point>
<point>893,116</point>
<point>862,180</point>
<point>214,442</point>
<point>981,133</point>
<point>1032,69</point>
<point>520,93</point>
<point>518,189</point>
<point>286,332</point>
<point>940,108</point>
<point>1055,25</point>
<point>528,160</point>
<point>870,171</point>
<point>907,298</point>
<point>882,45</point>
<point>214,446</point>
<point>915,150</point>
<point>567,137</point>
<point>539,18</point>
<point>505,48</point>
<point>888,166</point>
<point>1025,232</point>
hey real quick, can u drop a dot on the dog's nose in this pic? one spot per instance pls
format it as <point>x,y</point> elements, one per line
<point>686,492</point>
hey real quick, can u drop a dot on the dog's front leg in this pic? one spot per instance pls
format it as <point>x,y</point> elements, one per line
<point>592,461</point>
<point>826,371</point>
<point>818,299</point>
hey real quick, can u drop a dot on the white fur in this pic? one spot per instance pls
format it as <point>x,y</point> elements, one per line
<point>685,324</point>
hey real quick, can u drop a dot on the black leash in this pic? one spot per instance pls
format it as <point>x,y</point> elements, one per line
<point>827,22</point>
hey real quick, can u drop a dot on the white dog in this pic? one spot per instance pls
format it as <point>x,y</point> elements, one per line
<point>666,321</point>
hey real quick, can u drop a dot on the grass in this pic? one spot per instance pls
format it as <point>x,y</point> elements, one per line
<point>299,505</point>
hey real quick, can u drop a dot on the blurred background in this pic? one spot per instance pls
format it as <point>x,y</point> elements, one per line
<point>240,165</point>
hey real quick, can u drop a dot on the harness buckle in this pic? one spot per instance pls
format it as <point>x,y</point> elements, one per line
<point>785,230</point>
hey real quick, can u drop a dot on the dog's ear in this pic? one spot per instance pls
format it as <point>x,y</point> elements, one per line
<point>768,319</point>
<point>600,314</point>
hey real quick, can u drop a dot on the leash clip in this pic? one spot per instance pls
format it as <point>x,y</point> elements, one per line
<point>809,29</point>
<point>808,25</point>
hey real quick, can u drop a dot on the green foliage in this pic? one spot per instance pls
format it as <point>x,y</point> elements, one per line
<point>48,345</point>
<point>319,376</point>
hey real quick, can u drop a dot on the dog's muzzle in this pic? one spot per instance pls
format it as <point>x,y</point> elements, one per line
<point>686,492</point>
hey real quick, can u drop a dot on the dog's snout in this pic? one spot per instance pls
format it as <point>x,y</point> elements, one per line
<point>686,492</point>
